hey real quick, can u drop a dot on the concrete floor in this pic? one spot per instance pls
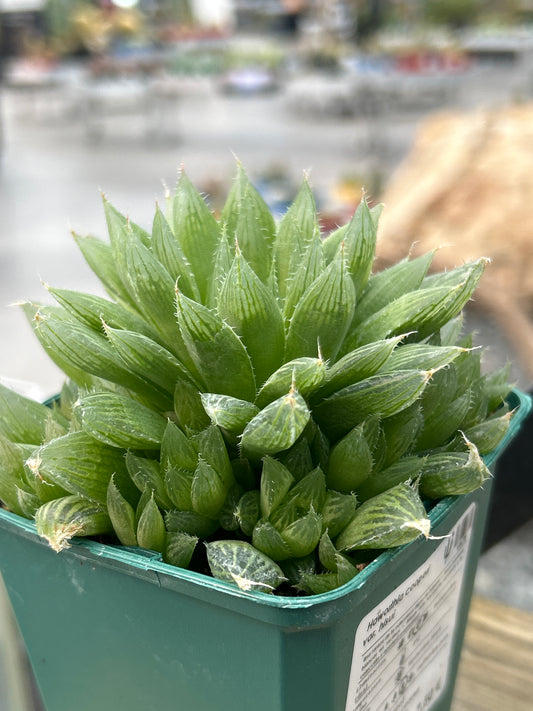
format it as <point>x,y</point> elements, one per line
<point>51,174</point>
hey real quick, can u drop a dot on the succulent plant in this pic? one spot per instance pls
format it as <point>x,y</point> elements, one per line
<point>254,386</point>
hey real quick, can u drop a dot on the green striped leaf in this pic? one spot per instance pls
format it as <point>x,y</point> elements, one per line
<point>119,421</point>
<point>79,464</point>
<point>240,563</point>
<point>309,492</point>
<point>276,427</point>
<point>323,314</point>
<point>218,353</point>
<point>304,374</point>
<point>178,485</point>
<point>11,474</point>
<point>350,461</point>
<point>208,490</point>
<point>380,395</point>
<point>453,473</point>
<point>487,435</point>
<point>450,333</point>
<point>360,246</point>
<point>212,449</point>
<point>72,344</point>
<point>407,469</point>
<point>391,283</point>
<point>298,458</point>
<point>421,356</point>
<point>267,539</point>
<point>497,387</point>
<point>276,480</point>
<point>190,413</point>
<point>297,229</point>
<point>248,511</point>
<point>177,450</point>
<point>94,311</point>
<point>248,306</point>
<point>223,260</point>
<point>179,549</point>
<point>117,223</point>
<point>147,359</point>
<point>23,419</point>
<point>197,231</point>
<point>37,315</point>
<point>332,243</point>
<point>60,520</point>
<point>309,267</point>
<point>337,512</point>
<point>168,251</point>
<point>424,311</point>
<point>99,257</point>
<point>145,474</point>
<point>440,391</point>
<point>359,364</point>
<point>153,290</point>
<point>253,234</point>
<point>244,196</point>
<point>387,520</point>
<point>302,536</point>
<point>401,431</point>
<point>442,423</point>
<point>327,553</point>
<point>151,532</point>
<point>227,412</point>
<point>190,522</point>
<point>122,515</point>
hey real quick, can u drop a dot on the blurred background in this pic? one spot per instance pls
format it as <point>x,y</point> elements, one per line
<point>426,104</point>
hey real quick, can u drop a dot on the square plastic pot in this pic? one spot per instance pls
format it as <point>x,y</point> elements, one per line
<point>108,627</point>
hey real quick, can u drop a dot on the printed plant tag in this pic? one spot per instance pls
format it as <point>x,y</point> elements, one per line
<point>402,648</point>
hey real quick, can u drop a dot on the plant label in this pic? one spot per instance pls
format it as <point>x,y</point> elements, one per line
<point>402,649</point>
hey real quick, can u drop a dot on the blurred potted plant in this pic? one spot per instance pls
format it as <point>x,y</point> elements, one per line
<point>267,464</point>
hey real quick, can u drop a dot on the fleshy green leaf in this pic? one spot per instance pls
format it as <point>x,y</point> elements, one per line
<point>216,350</point>
<point>304,374</point>
<point>196,230</point>
<point>250,308</point>
<point>179,549</point>
<point>381,395</point>
<point>391,283</point>
<point>276,427</point>
<point>61,519</point>
<point>350,461</point>
<point>151,531</point>
<point>297,229</point>
<point>80,464</point>
<point>228,412</point>
<point>122,515</point>
<point>453,473</point>
<point>146,474</point>
<point>167,249</point>
<point>240,563</point>
<point>387,520</point>
<point>323,314</point>
<point>360,245</point>
<point>119,421</point>
<point>276,480</point>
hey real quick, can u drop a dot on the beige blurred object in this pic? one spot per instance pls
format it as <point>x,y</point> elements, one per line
<point>466,189</point>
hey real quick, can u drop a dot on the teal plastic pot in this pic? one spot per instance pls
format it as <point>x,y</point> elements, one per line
<point>113,628</point>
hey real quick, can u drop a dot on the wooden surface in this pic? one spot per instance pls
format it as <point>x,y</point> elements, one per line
<point>496,668</point>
